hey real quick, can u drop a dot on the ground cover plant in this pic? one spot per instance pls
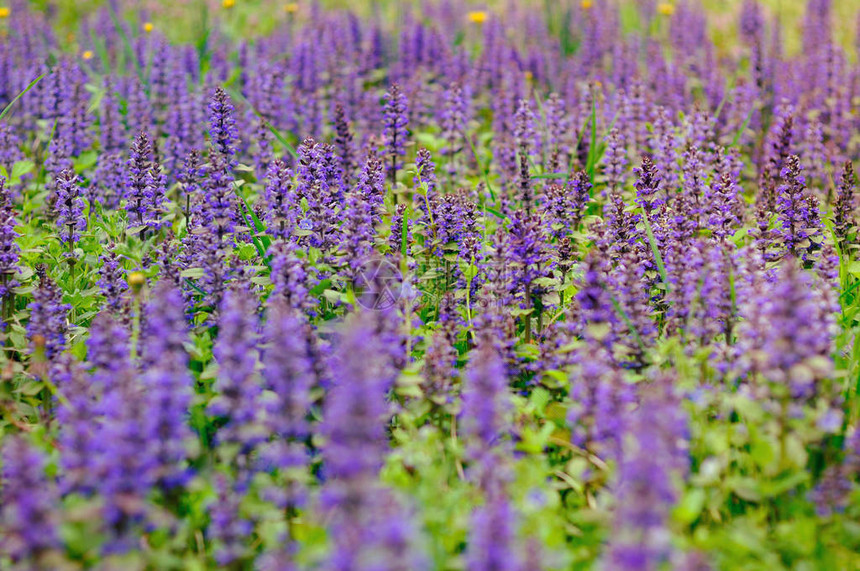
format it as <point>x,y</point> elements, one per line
<point>430,285</point>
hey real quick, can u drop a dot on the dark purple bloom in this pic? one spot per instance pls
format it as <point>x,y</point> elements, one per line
<point>844,218</point>
<point>425,174</point>
<point>282,209</point>
<point>396,118</point>
<point>223,134</point>
<point>723,203</point>
<point>9,249</point>
<point>528,256</point>
<point>144,188</point>
<point>123,462</point>
<point>648,186</point>
<point>793,207</point>
<point>562,207</point>
<point>191,178</point>
<point>524,131</point>
<point>219,207</point>
<point>69,209</point>
<point>112,281</point>
<point>371,187</point>
<point>319,183</point>
<point>290,276</point>
<point>599,395</point>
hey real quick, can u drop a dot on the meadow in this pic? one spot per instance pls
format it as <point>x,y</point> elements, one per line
<point>429,285</point>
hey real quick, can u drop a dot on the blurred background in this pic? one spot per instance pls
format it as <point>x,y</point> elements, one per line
<point>184,20</point>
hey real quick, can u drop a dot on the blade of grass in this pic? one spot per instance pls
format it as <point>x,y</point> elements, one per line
<point>658,259</point>
<point>287,145</point>
<point>20,95</point>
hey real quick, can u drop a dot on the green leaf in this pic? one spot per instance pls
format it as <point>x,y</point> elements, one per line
<point>21,168</point>
<point>691,506</point>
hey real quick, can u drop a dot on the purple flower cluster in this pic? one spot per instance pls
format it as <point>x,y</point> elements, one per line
<point>440,292</point>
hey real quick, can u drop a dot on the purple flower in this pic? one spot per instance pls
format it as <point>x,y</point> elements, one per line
<point>425,173</point>
<point>144,188</point>
<point>562,207</point>
<point>191,178</point>
<point>785,335</point>
<point>79,418</point>
<point>396,118</point>
<point>112,281</point>
<point>844,219</point>
<point>652,455</point>
<point>238,385</point>
<point>288,373</point>
<point>368,525</point>
<point>343,143</point>
<point>9,249</point>
<point>28,501</point>
<point>453,121</point>
<point>124,465</point>
<point>648,186</point>
<point>492,538</point>
<point>354,414</point>
<point>282,209</point>
<point>528,256</point>
<point>524,131</point>
<point>484,416</point>
<point>168,384</point>
<point>600,397</point>
<point>69,209</point>
<point>48,322</point>
<point>319,183</point>
<point>723,203</point>
<point>751,22</point>
<point>58,160</point>
<point>615,159</point>
<point>181,123</point>
<point>290,277</point>
<point>219,208</point>
<point>799,222</point>
<point>227,527</point>
<point>222,126</point>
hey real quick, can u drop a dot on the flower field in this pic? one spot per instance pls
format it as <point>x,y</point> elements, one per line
<point>429,285</point>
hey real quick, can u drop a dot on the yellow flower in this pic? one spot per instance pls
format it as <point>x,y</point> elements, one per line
<point>529,76</point>
<point>477,17</point>
<point>666,8</point>
<point>227,4</point>
<point>4,12</point>
<point>148,27</point>
<point>586,4</point>
<point>291,7</point>
<point>87,54</point>
<point>136,280</point>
